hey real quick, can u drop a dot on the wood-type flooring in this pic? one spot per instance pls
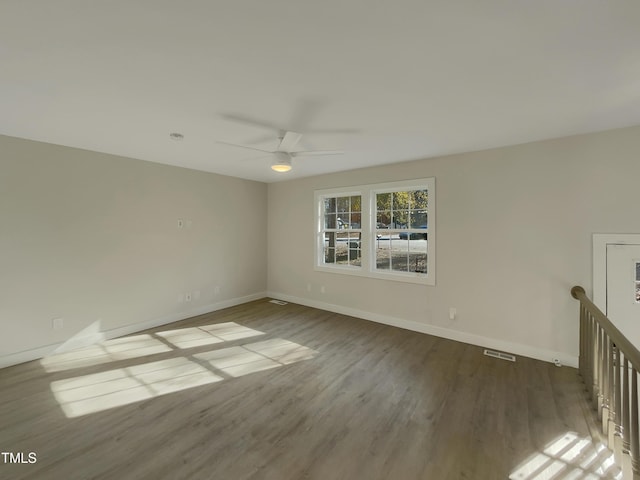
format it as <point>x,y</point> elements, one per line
<point>264,391</point>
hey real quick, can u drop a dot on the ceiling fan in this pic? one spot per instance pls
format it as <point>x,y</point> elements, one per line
<point>284,154</point>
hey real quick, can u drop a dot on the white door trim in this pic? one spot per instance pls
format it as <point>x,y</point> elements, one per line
<point>600,242</point>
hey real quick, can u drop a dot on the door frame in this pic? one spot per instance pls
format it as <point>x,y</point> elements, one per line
<point>600,242</point>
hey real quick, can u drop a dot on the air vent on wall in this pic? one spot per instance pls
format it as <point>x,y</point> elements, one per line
<point>278,302</point>
<point>500,355</point>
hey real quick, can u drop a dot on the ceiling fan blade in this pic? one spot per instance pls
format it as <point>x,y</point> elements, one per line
<point>251,121</point>
<point>256,122</point>
<point>289,141</point>
<point>333,131</point>
<point>244,146</point>
<point>317,153</point>
<point>305,110</point>
<point>256,158</point>
<point>261,139</point>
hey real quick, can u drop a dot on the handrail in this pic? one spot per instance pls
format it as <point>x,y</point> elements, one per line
<point>609,364</point>
<point>616,336</point>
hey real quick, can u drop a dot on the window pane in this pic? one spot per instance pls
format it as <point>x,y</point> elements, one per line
<point>383,218</point>
<point>383,254</point>
<point>356,203</point>
<point>418,219</point>
<point>400,201</point>
<point>399,253</point>
<point>342,248</point>
<point>343,204</point>
<point>419,199</point>
<point>418,253</point>
<point>417,262</point>
<point>329,205</point>
<point>356,219</point>
<point>354,244</point>
<point>330,221</point>
<point>398,261</point>
<point>383,201</point>
<point>399,218</point>
<point>329,255</point>
<point>329,247</point>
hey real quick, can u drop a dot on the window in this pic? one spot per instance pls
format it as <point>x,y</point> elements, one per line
<point>401,230</point>
<point>382,231</point>
<point>340,234</point>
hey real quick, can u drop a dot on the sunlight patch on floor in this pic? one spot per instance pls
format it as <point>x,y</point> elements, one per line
<point>124,348</point>
<point>135,346</point>
<point>114,388</point>
<point>97,392</point>
<point>255,357</point>
<point>208,334</point>
<point>282,351</point>
<point>569,457</point>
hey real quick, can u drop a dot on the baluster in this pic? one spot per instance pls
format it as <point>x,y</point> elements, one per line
<point>601,370</point>
<point>606,382</point>
<point>616,426</point>
<point>592,340</point>
<point>596,369</point>
<point>627,469</point>
<point>582,350</point>
<point>611,389</point>
<point>635,441</point>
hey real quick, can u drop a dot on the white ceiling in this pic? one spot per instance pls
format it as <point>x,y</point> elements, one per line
<point>404,79</point>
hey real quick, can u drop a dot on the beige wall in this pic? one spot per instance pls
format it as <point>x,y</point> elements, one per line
<point>93,239</point>
<point>89,237</point>
<point>514,229</point>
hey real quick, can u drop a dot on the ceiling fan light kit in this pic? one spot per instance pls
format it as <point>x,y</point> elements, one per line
<point>281,162</point>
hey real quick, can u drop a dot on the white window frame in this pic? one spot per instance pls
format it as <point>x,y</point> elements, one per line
<point>368,229</point>
<point>320,196</point>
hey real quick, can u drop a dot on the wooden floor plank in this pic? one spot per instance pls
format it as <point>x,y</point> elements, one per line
<point>367,401</point>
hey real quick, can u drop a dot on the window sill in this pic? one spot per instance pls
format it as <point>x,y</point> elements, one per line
<point>416,278</point>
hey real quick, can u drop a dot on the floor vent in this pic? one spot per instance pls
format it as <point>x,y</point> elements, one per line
<point>278,302</point>
<point>500,355</point>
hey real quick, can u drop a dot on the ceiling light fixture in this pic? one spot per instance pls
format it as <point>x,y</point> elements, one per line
<point>281,163</point>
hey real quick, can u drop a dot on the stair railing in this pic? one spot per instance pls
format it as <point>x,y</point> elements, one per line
<point>609,365</point>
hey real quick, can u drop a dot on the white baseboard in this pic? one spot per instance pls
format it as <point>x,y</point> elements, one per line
<point>128,329</point>
<point>39,352</point>
<point>457,335</point>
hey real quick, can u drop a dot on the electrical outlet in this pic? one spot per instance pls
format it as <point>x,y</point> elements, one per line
<point>180,223</point>
<point>57,323</point>
<point>187,297</point>
<point>452,313</point>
